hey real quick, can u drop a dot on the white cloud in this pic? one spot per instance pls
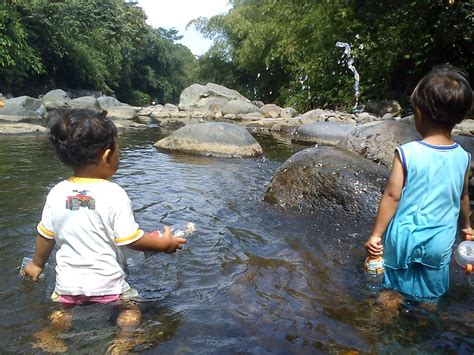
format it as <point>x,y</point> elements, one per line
<point>178,13</point>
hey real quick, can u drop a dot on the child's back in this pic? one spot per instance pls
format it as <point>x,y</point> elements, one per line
<point>427,190</point>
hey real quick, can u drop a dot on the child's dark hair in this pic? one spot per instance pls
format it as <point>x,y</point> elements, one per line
<point>79,136</point>
<point>444,95</point>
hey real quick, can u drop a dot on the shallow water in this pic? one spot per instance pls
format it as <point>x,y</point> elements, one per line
<point>251,280</point>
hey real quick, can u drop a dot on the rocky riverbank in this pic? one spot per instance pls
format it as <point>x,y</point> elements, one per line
<point>363,143</point>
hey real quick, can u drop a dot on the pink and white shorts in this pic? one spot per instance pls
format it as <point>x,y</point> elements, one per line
<point>128,295</point>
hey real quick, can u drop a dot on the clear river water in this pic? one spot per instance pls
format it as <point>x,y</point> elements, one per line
<point>252,279</point>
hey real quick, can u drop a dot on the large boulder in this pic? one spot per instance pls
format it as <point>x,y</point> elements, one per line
<point>22,108</point>
<point>86,102</point>
<point>238,107</point>
<point>57,99</point>
<point>107,102</point>
<point>466,127</point>
<point>212,138</point>
<point>270,111</point>
<point>327,180</point>
<point>319,115</point>
<point>382,107</point>
<point>377,140</point>
<point>326,133</point>
<point>123,112</point>
<point>200,97</point>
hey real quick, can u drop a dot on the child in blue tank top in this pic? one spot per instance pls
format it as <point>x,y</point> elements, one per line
<point>416,223</point>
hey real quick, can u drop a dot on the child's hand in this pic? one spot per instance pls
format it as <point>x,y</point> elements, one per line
<point>173,242</point>
<point>33,271</point>
<point>468,233</point>
<point>374,246</point>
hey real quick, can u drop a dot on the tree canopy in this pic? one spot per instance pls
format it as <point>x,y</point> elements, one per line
<point>101,45</point>
<point>284,51</point>
<point>277,51</point>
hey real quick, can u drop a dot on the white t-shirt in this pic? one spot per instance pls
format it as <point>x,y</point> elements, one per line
<point>89,219</point>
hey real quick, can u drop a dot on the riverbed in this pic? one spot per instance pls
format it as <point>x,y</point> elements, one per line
<point>252,279</point>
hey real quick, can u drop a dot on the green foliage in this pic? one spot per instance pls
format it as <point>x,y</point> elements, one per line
<point>18,58</point>
<point>284,51</point>
<point>90,44</point>
<point>139,98</point>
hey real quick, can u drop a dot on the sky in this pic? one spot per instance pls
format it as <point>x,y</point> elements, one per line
<point>177,14</point>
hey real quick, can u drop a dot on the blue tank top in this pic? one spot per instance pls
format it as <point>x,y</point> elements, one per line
<point>424,227</point>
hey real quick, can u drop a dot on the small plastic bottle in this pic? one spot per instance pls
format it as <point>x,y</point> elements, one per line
<point>374,270</point>
<point>464,256</point>
<point>179,231</point>
<point>183,231</point>
<point>25,261</point>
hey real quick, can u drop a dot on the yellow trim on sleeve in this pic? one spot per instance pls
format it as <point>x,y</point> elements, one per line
<point>130,237</point>
<point>44,232</point>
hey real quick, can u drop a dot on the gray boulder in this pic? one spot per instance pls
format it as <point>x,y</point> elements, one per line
<point>466,127</point>
<point>107,102</point>
<point>86,102</point>
<point>326,133</point>
<point>122,112</point>
<point>238,107</point>
<point>22,108</point>
<point>381,107</point>
<point>199,97</point>
<point>327,180</point>
<point>319,115</point>
<point>288,112</point>
<point>22,129</point>
<point>270,111</point>
<point>57,99</point>
<point>377,141</point>
<point>171,107</point>
<point>212,139</point>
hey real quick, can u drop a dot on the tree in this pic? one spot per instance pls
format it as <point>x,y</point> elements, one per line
<point>288,48</point>
<point>18,59</point>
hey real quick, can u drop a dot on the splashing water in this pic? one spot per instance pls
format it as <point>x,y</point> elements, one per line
<point>350,64</point>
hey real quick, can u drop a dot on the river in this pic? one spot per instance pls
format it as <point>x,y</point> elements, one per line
<point>252,279</point>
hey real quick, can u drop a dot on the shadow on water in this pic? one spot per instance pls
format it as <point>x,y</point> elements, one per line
<point>252,278</point>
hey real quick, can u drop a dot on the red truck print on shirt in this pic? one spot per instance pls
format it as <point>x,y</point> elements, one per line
<point>80,200</point>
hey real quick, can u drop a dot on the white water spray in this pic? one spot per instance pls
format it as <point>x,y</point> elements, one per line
<point>347,58</point>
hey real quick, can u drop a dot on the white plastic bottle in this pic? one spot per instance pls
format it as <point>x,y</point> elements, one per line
<point>464,256</point>
<point>25,261</point>
<point>183,231</point>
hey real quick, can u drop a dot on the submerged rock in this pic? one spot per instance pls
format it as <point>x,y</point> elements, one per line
<point>212,138</point>
<point>22,129</point>
<point>328,180</point>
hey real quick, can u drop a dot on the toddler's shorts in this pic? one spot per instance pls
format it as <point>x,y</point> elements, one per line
<point>130,295</point>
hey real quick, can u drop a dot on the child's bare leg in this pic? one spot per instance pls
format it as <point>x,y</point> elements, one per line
<point>389,302</point>
<point>48,338</point>
<point>128,321</point>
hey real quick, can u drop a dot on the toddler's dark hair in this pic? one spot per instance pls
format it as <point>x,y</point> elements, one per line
<point>444,95</point>
<point>79,136</point>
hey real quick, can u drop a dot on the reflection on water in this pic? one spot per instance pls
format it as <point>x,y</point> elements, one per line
<point>252,279</point>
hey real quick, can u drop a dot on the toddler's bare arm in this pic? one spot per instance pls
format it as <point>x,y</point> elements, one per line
<point>43,250</point>
<point>167,243</point>
<point>466,208</point>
